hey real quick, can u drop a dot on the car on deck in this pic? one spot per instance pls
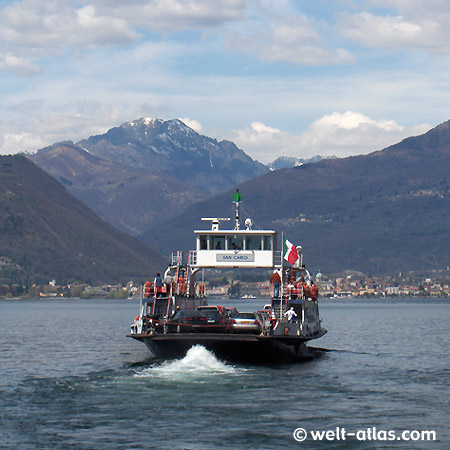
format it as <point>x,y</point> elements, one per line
<point>217,322</point>
<point>187,321</point>
<point>246,322</point>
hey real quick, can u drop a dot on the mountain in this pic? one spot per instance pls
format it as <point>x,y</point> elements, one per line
<point>173,148</point>
<point>131,199</point>
<point>46,233</point>
<point>283,162</point>
<point>380,213</point>
<point>146,171</point>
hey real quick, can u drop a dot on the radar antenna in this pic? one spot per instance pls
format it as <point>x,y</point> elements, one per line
<point>215,221</point>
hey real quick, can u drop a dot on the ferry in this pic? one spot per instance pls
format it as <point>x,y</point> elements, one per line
<point>171,318</point>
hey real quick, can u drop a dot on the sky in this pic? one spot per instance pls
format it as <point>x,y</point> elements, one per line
<point>277,77</point>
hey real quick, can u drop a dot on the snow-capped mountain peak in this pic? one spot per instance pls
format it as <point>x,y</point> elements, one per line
<point>172,147</point>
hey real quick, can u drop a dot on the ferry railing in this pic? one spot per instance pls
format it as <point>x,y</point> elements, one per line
<point>192,259</point>
<point>278,309</point>
<point>200,290</point>
<point>177,258</point>
<point>265,321</point>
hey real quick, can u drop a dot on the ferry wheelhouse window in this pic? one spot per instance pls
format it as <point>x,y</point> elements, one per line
<point>253,242</point>
<point>217,242</point>
<point>267,242</point>
<point>203,242</point>
<point>235,242</point>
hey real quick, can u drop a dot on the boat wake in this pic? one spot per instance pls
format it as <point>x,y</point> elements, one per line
<point>199,363</point>
<point>322,350</point>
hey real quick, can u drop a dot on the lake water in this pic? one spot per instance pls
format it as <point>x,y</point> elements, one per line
<point>71,379</point>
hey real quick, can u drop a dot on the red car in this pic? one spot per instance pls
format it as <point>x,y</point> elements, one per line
<point>187,321</point>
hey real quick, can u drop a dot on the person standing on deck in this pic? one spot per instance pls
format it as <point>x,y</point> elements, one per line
<point>182,286</point>
<point>306,290</point>
<point>314,290</point>
<point>275,280</point>
<point>299,287</point>
<point>168,280</point>
<point>158,284</point>
<point>290,313</point>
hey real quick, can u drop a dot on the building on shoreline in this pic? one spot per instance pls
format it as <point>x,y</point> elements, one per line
<point>340,287</point>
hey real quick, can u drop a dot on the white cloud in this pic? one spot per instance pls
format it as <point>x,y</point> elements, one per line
<point>90,82</point>
<point>61,24</point>
<point>51,28</point>
<point>12,143</point>
<point>17,65</point>
<point>419,8</point>
<point>94,29</point>
<point>340,134</point>
<point>46,28</point>
<point>289,39</point>
<point>194,124</point>
<point>172,15</point>
<point>44,126</point>
<point>418,25</point>
<point>352,120</point>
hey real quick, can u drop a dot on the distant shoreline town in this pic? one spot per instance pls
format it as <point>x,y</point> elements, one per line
<point>347,286</point>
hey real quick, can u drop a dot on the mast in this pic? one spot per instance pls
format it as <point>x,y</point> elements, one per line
<point>282,259</point>
<point>281,276</point>
<point>237,197</point>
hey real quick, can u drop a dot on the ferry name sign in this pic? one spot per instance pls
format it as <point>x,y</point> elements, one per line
<point>235,257</point>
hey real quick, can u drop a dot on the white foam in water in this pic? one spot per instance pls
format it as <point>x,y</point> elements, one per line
<point>197,363</point>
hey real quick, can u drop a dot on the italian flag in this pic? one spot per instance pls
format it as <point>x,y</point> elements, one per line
<point>289,252</point>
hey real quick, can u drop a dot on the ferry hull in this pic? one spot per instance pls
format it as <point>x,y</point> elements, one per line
<point>232,347</point>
